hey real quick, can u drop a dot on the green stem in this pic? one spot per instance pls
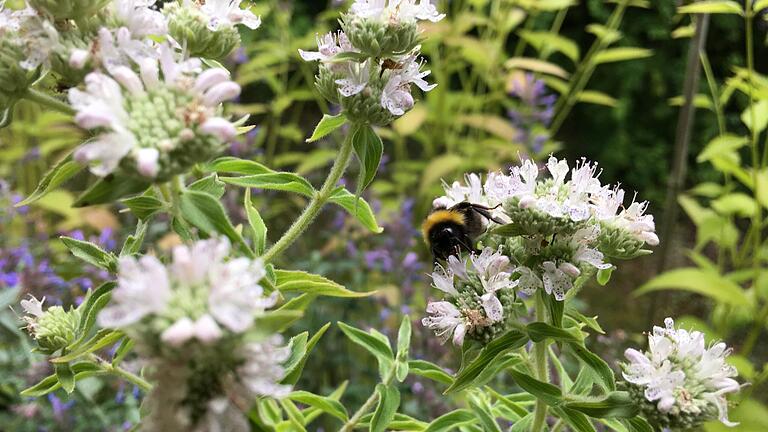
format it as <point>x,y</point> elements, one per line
<point>754,333</point>
<point>540,357</point>
<point>109,368</point>
<point>317,202</point>
<point>48,101</point>
<point>757,219</point>
<point>368,405</point>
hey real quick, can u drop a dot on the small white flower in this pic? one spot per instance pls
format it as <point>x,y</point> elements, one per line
<point>528,281</point>
<point>442,279</point>
<point>396,11</point>
<point>228,13</point>
<point>357,77</point>
<point>681,374</point>
<point>262,370</point>
<point>140,18</point>
<point>446,322</point>
<point>556,281</point>
<point>396,96</point>
<point>143,288</point>
<point>328,46</point>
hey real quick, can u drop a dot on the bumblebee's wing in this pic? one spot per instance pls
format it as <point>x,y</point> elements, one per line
<point>484,211</point>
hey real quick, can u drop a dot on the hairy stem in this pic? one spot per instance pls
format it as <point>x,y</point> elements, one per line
<point>368,405</point>
<point>540,357</point>
<point>48,101</point>
<point>317,202</point>
<point>109,368</point>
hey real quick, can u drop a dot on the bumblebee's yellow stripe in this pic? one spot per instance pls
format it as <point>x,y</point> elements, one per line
<point>440,216</point>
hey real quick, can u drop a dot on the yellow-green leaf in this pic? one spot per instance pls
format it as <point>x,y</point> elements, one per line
<point>712,7</point>
<point>706,283</point>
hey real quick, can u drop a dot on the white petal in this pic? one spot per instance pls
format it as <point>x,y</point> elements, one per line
<point>147,162</point>
<point>220,128</point>
<point>178,333</point>
<point>128,79</point>
<point>492,306</point>
<point>209,78</point>
<point>221,92</point>
<point>206,329</point>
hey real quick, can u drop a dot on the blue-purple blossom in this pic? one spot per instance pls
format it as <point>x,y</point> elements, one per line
<point>533,112</point>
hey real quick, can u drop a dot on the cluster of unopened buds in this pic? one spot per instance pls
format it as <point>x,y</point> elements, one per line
<point>370,65</point>
<point>155,110</point>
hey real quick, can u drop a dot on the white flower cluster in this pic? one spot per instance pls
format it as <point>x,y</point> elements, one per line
<point>201,308</point>
<point>579,198</point>
<point>475,288</point>
<point>564,224</point>
<point>681,377</point>
<point>385,77</point>
<point>167,106</point>
<point>397,11</point>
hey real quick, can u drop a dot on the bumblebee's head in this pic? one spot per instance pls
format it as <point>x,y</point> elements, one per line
<point>445,232</point>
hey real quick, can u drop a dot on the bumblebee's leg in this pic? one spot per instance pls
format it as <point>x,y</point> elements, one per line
<point>487,214</point>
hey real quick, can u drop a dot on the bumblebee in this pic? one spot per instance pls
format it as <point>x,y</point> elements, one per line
<point>448,231</point>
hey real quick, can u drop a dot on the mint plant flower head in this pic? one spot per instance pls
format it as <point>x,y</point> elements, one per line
<point>562,228</point>
<point>155,123</point>
<point>15,74</point>
<point>479,298</point>
<point>54,328</point>
<point>680,382</point>
<point>208,28</point>
<point>194,322</point>
<point>68,9</point>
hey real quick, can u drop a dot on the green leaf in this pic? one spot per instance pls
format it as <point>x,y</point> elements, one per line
<point>134,241</point>
<point>210,185</point>
<point>143,206</point>
<point>403,344</point>
<point>452,420</point>
<point>760,5</point>
<point>539,331</point>
<point>556,309</point>
<point>373,344</point>
<point>549,41</point>
<point>509,230</point>
<point>90,308</point>
<point>712,7</point>
<point>91,253</point>
<point>598,365</point>
<point>293,372</point>
<point>760,114</point>
<point>578,421</point>
<point>725,144</point>
<point>467,375</point>
<point>429,370</point>
<point>369,149</point>
<point>323,403</point>
<point>617,404</point>
<point>389,401</point>
<point>604,275</point>
<point>522,425</point>
<point>51,382</point>
<point>596,97</point>
<point>357,207</point>
<point>482,409</point>
<point>65,376</point>
<point>735,203</point>
<point>621,54</point>
<point>60,173</point>
<point>208,215</point>
<point>545,392</point>
<point>299,281</point>
<point>327,125</point>
<point>700,281</point>
<point>296,419</point>
<point>109,189</point>
<point>275,321</point>
<point>637,424</point>
<point>282,181</point>
<point>257,224</point>
<point>125,347</point>
<point>102,339</point>
<point>238,166</point>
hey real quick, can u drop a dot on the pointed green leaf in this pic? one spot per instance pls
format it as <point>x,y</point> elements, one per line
<point>293,372</point>
<point>299,281</point>
<point>110,189</point>
<point>323,403</point>
<point>326,125</point>
<point>467,375</point>
<point>389,401</point>
<point>206,213</point>
<point>257,224</point>
<point>143,206</point>
<point>91,253</point>
<point>357,207</point>
<point>65,376</point>
<point>60,173</point>
<point>369,149</point>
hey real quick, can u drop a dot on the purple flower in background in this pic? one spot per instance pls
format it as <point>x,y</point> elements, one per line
<point>59,408</point>
<point>533,112</point>
<point>240,56</point>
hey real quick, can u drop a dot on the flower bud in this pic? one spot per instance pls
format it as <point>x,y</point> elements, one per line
<point>54,328</point>
<point>190,27</point>
<point>68,9</point>
<point>14,80</point>
<point>365,106</point>
<point>380,39</point>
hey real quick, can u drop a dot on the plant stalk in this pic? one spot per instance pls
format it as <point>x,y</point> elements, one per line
<point>541,366</point>
<point>368,405</point>
<point>109,368</point>
<point>317,202</point>
<point>680,161</point>
<point>48,101</point>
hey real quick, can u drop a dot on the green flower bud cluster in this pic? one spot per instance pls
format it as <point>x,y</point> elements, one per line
<point>535,222</point>
<point>676,419</point>
<point>618,243</point>
<point>379,39</point>
<point>55,329</point>
<point>189,26</point>
<point>68,9</point>
<point>156,123</point>
<point>484,330</point>
<point>14,80</point>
